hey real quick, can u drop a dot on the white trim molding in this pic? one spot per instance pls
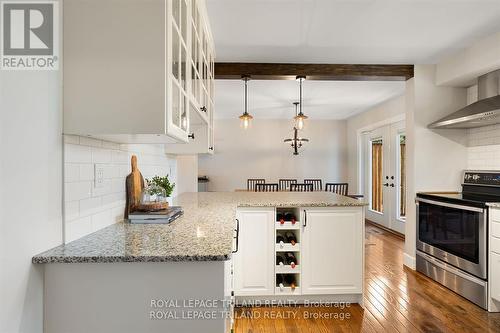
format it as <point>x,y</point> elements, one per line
<point>409,261</point>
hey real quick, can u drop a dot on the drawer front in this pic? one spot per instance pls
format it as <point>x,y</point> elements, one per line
<point>495,276</point>
<point>495,229</point>
<point>495,245</point>
<point>495,214</point>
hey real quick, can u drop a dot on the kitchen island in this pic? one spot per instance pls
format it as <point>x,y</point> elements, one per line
<point>160,278</point>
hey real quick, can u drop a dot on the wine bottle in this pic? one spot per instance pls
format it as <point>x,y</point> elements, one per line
<point>288,216</point>
<point>280,281</point>
<point>290,280</point>
<point>293,219</point>
<point>290,237</point>
<point>281,218</point>
<point>280,259</point>
<point>290,259</point>
<point>279,238</point>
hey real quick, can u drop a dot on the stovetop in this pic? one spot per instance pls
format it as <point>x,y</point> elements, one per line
<point>478,189</point>
<point>463,198</point>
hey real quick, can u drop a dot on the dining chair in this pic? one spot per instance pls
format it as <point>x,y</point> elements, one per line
<point>316,183</point>
<point>251,182</point>
<point>267,187</point>
<point>339,188</point>
<point>285,184</point>
<point>301,187</point>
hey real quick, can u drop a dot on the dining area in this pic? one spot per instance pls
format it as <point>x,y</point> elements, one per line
<point>293,185</point>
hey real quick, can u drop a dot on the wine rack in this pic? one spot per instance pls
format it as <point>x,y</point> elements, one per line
<point>287,223</point>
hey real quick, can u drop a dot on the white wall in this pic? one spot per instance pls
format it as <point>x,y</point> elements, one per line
<point>89,208</point>
<point>187,173</point>
<point>260,152</point>
<point>380,113</point>
<point>30,191</point>
<point>436,158</point>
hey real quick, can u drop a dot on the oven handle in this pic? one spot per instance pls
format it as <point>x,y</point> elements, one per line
<point>445,204</point>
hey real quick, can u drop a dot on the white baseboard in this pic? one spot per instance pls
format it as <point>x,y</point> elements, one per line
<point>409,261</point>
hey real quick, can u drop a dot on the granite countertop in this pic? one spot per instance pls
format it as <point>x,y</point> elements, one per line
<point>204,233</point>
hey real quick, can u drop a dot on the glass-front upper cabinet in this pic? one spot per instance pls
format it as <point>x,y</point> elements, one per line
<point>201,62</point>
<point>178,66</point>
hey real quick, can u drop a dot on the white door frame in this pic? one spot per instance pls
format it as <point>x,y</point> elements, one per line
<point>362,174</point>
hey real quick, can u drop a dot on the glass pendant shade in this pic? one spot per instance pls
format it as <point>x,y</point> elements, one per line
<point>246,120</point>
<point>246,117</point>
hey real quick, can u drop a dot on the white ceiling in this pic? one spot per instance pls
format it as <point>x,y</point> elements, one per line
<point>348,31</point>
<point>322,99</point>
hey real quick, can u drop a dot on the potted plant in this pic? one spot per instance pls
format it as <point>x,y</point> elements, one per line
<point>160,187</point>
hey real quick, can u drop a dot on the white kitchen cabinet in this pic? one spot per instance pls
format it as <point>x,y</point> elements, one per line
<point>254,260</point>
<point>494,261</point>
<point>128,69</point>
<point>332,250</point>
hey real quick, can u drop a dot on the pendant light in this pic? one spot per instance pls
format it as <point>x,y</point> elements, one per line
<point>246,117</point>
<point>300,117</point>
<point>296,142</point>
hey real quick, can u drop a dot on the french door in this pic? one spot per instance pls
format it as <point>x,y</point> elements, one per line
<point>385,176</point>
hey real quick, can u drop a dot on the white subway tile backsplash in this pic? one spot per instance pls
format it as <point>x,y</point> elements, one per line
<point>484,148</point>
<point>71,172</point>
<point>89,208</point>
<point>77,191</point>
<point>103,189</point>
<point>77,229</point>
<point>101,220</point>
<point>77,154</point>
<point>100,155</point>
<point>86,172</point>
<point>71,210</point>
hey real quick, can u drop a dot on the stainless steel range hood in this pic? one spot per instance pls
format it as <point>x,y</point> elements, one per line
<point>486,111</point>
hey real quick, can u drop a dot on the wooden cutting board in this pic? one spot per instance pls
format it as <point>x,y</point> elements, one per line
<point>134,186</point>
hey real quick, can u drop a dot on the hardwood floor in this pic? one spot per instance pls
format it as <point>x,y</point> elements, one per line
<point>397,299</point>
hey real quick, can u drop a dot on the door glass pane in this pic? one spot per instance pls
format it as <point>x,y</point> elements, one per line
<point>376,175</point>
<point>176,11</point>
<point>183,26</point>
<point>183,67</point>
<point>176,105</point>
<point>402,176</point>
<point>175,53</point>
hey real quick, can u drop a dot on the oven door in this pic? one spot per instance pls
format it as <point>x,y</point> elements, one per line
<point>455,234</point>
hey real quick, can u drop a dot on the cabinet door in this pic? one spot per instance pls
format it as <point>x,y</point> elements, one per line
<point>254,261</point>
<point>495,276</point>
<point>332,251</point>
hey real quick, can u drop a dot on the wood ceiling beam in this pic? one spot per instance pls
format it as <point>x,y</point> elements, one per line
<point>288,71</point>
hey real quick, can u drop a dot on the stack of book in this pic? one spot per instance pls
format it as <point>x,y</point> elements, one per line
<point>162,216</point>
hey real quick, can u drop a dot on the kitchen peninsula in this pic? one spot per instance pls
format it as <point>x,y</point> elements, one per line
<point>131,278</point>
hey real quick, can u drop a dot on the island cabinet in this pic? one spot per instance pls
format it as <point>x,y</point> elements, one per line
<point>137,71</point>
<point>300,253</point>
<point>254,260</point>
<point>332,246</point>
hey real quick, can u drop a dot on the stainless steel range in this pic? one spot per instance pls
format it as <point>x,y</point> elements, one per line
<point>452,234</point>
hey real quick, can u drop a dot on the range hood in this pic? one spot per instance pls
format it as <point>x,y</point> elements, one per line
<point>486,111</point>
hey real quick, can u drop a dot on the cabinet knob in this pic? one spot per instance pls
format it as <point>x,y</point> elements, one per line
<point>204,109</point>
<point>211,148</point>
<point>191,136</point>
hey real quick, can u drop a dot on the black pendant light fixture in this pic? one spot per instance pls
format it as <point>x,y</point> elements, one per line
<point>296,142</point>
<point>300,117</point>
<point>246,117</point>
